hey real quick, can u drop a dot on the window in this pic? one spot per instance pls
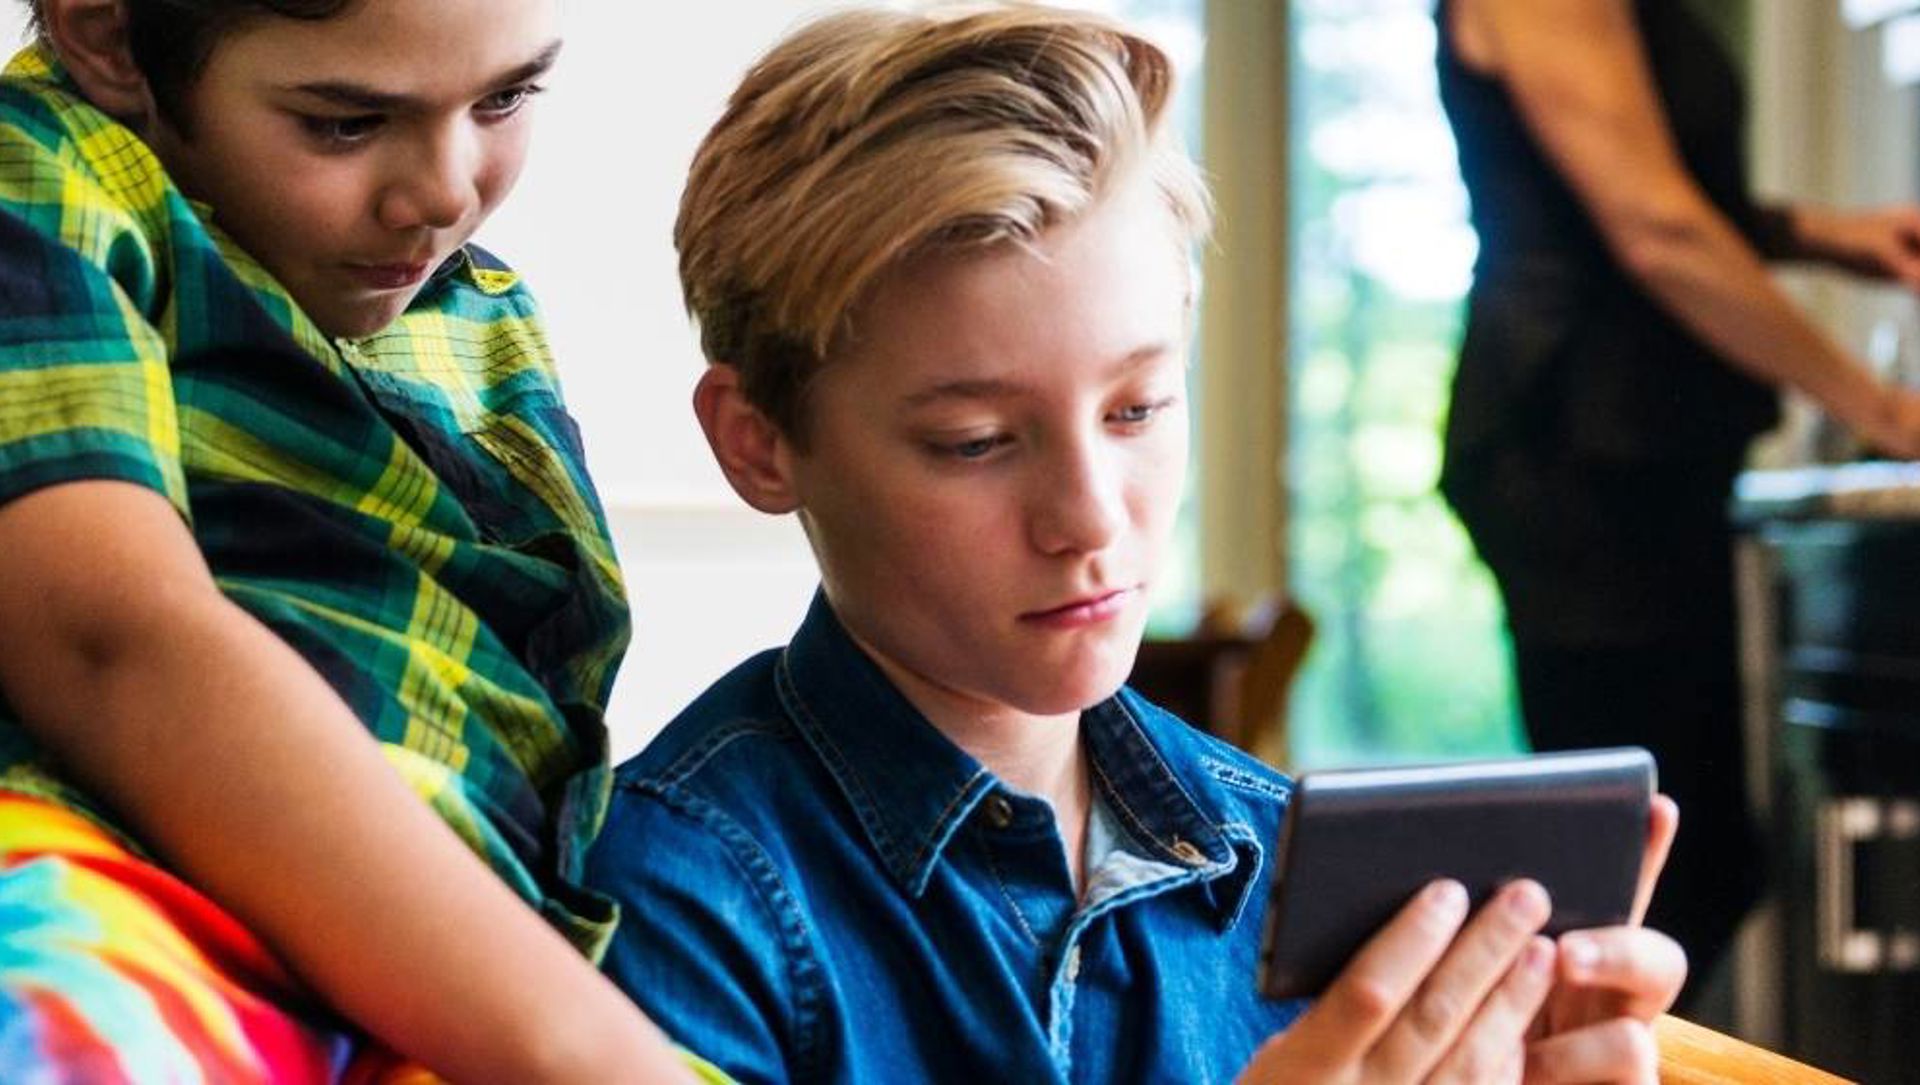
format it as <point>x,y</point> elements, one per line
<point>1410,660</point>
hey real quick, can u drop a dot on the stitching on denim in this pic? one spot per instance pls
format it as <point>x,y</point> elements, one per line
<point>1234,776</point>
<point>1166,772</point>
<point>863,803</point>
<point>1119,900</point>
<point>986,848</point>
<point>712,743</point>
<point>1243,833</point>
<point>1239,830</point>
<point>949,813</point>
<point>804,969</point>
<point>1126,812</point>
<point>911,870</point>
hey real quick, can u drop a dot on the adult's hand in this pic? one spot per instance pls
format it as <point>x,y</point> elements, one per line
<point>1426,1000</point>
<point>1582,80</point>
<point>1879,242</point>
<point>1888,420</point>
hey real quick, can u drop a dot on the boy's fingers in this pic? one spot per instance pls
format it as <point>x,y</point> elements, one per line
<point>1643,968</point>
<point>1493,1042</point>
<point>1368,994</point>
<point>1621,1052</point>
<point>1452,994</point>
<point>1663,824</point>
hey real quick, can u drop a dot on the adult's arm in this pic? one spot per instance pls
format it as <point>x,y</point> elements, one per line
<point>239,764</point>
<point>1578,71</point>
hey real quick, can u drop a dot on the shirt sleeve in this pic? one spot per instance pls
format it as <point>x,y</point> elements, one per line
<point>85,390</point>
<point>699,946</point>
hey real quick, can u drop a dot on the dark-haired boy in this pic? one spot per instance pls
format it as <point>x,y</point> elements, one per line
<point>297,551</point>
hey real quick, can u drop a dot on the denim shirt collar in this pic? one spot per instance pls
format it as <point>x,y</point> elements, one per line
<point>911,787</point>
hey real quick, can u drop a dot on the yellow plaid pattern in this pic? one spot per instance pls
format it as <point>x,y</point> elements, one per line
<point>409,511</point>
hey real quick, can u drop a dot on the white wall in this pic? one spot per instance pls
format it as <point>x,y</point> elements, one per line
<point>591,227</point>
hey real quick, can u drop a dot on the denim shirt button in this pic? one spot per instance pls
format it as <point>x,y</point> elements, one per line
<point>999,811</point>
<point>1187,853</point>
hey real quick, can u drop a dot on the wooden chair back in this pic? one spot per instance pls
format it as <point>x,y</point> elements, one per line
<point>1232,675</point>
<point>1693,1055</point>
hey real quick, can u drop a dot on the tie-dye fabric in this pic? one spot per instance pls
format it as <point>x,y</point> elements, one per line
<point>113,971</point>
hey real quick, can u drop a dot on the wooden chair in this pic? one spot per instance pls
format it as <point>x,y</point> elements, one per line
<point>1232,675</point>
<point>1692,1055</point>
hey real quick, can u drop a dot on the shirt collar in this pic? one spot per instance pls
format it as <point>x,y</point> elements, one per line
<point>1149,768</point>
<point>37,61</point>
<point>480,268</point>
<point>912,788</point>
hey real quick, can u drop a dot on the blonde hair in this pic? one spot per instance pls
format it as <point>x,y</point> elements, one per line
<point>871,136</point>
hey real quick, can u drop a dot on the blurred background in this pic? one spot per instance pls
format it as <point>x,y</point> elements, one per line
<point>1331,311</point>
<point>1331,315</point>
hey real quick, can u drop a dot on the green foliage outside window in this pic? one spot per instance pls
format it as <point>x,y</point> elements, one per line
<point>1411,660</point>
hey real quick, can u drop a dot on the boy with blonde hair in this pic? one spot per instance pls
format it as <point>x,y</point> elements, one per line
<point>940,264</point>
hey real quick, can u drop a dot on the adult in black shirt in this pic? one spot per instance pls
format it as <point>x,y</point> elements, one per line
<point>1624,343</point>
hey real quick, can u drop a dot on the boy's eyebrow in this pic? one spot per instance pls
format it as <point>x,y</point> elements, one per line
<point>996,388</point>
<point>361,96</point>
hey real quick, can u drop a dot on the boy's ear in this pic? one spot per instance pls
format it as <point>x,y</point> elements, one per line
<point>90,37</point>
<point>755,456</point>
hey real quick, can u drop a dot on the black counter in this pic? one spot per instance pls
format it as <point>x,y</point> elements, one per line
<point>1843,618</point>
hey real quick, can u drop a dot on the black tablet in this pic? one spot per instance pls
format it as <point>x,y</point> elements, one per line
<point>1358,844</point>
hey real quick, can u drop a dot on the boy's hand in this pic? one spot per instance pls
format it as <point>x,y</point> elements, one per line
<point>1612,983</point>
<point>1596,1025</point>
<point>1494,1002</point>
<point>1425,999</point>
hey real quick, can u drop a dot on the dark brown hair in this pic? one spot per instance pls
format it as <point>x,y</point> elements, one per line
<point>171,40</point>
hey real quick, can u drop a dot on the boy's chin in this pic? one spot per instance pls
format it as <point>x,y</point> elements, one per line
<point>1068,697</point>
<point>349,321</point>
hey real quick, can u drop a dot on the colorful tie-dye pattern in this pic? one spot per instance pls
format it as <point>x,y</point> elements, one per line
<point>113,971</point>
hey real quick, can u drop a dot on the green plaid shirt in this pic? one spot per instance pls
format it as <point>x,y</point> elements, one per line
<point>410,511</point>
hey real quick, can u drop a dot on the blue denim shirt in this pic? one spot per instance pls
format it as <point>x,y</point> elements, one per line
<point>818,886</point>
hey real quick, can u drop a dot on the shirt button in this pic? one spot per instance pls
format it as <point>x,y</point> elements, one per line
<point>1187,853</point>
<point>999,811</point>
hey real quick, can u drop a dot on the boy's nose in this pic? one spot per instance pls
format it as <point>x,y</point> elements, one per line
<point>1080,507</point>
<point>436,188</point>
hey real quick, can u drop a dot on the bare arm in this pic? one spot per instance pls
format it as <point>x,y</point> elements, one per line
<point>1579,74</point>
<point>1877,242</point>
<point>238,762</point>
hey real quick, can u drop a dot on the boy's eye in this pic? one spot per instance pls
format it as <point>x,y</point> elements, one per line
<point>505,103</point>
<point>1134,414</point>
<point>973,449</point>
<point>342,131</point>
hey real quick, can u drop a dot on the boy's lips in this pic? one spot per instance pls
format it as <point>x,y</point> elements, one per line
<point>1087,610</point>
<point>393,276</point>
